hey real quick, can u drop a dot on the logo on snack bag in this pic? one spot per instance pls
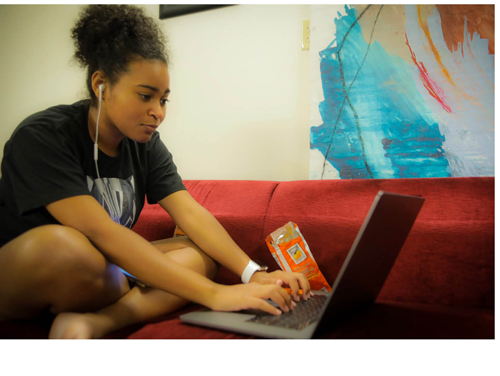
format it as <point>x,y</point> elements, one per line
<point>297,254</point>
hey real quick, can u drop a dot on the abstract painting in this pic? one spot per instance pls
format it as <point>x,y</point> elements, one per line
<point>402,91</point>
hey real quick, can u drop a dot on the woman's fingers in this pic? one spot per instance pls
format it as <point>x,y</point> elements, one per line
<point>252,295</point>
<point>294,286</point>
<point>278,296</point>
<point>264,306</point>
<point>275,293</point>
<point>304,284</point>
<point>296,282</point>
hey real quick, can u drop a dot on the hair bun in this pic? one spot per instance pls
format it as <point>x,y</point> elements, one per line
<point>112,30</point>
<point>109,37</point>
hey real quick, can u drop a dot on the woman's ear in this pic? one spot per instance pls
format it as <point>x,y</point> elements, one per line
<point>98,83</point>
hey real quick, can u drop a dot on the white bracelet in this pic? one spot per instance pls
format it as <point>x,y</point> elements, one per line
<point>249,271</point>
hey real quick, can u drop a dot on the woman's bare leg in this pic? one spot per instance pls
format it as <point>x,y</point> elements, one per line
<point>55,268</point>
<point>139,304</point>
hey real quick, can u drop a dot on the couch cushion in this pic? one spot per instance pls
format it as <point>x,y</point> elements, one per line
<point>448,257</point>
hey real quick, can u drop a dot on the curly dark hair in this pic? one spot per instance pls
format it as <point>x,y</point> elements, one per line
<point>109,37</point>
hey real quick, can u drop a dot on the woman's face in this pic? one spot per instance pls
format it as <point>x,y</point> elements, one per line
<point>136,105</point>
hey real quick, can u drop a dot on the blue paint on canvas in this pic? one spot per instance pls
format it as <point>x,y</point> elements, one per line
<point>371,130</point>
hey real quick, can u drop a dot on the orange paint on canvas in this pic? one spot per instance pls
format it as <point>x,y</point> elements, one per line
<point>427,33</point>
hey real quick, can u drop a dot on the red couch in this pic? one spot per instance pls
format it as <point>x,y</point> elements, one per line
<point>441,286</point>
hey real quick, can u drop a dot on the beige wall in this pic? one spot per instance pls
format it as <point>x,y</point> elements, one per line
<point>35,68</point>
<point>240,85</point>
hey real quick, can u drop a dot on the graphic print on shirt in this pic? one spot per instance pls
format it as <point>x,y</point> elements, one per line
<point>116,196</point>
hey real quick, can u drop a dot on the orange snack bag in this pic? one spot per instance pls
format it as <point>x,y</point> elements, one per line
<point>291,252</point>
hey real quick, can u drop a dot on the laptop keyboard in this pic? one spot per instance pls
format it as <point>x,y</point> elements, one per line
<point>304,313</point>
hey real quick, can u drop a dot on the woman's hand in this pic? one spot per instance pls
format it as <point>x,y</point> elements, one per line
<point>295,281</point>
<point>252,296</point>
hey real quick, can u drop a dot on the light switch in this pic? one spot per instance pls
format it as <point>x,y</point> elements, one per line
<point>306,32</point>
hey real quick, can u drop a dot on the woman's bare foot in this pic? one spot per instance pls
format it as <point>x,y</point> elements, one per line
<point>70,325</point>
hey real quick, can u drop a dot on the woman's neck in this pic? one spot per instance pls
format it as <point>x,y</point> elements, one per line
<point>109,137</point>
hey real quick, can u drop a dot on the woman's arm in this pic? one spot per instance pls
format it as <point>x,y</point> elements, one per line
<point>130,251</point>
<point>208,234</point>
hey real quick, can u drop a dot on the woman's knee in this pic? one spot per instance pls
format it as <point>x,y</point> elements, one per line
<point>210,266</point>
<point>68,270</point>
<point>184,251</point>
<point>53,267</point>
<point>59,249</point>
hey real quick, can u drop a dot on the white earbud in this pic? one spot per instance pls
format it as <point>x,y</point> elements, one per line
<point>101,88</point>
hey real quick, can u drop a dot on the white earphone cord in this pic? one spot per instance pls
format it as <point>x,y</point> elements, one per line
<point>114,213</point>
<point>96,148</point>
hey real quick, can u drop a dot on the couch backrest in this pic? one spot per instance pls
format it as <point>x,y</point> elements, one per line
<point>447,259</point>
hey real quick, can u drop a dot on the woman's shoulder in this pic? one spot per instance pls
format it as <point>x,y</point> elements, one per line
<point>60,114</point>
<point>65,118</point>
<point>54,126</point>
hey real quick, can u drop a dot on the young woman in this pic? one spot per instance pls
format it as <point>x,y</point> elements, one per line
<point>74,178</point>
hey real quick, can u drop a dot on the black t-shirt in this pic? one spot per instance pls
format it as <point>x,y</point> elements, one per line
<point>50,156</point>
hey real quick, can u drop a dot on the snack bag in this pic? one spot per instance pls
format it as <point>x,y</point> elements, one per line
<point>291,252</point>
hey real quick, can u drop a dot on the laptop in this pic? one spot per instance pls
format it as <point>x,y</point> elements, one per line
<point>362,276</point>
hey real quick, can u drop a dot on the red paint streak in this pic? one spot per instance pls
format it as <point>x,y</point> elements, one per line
<point>431,86</point>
